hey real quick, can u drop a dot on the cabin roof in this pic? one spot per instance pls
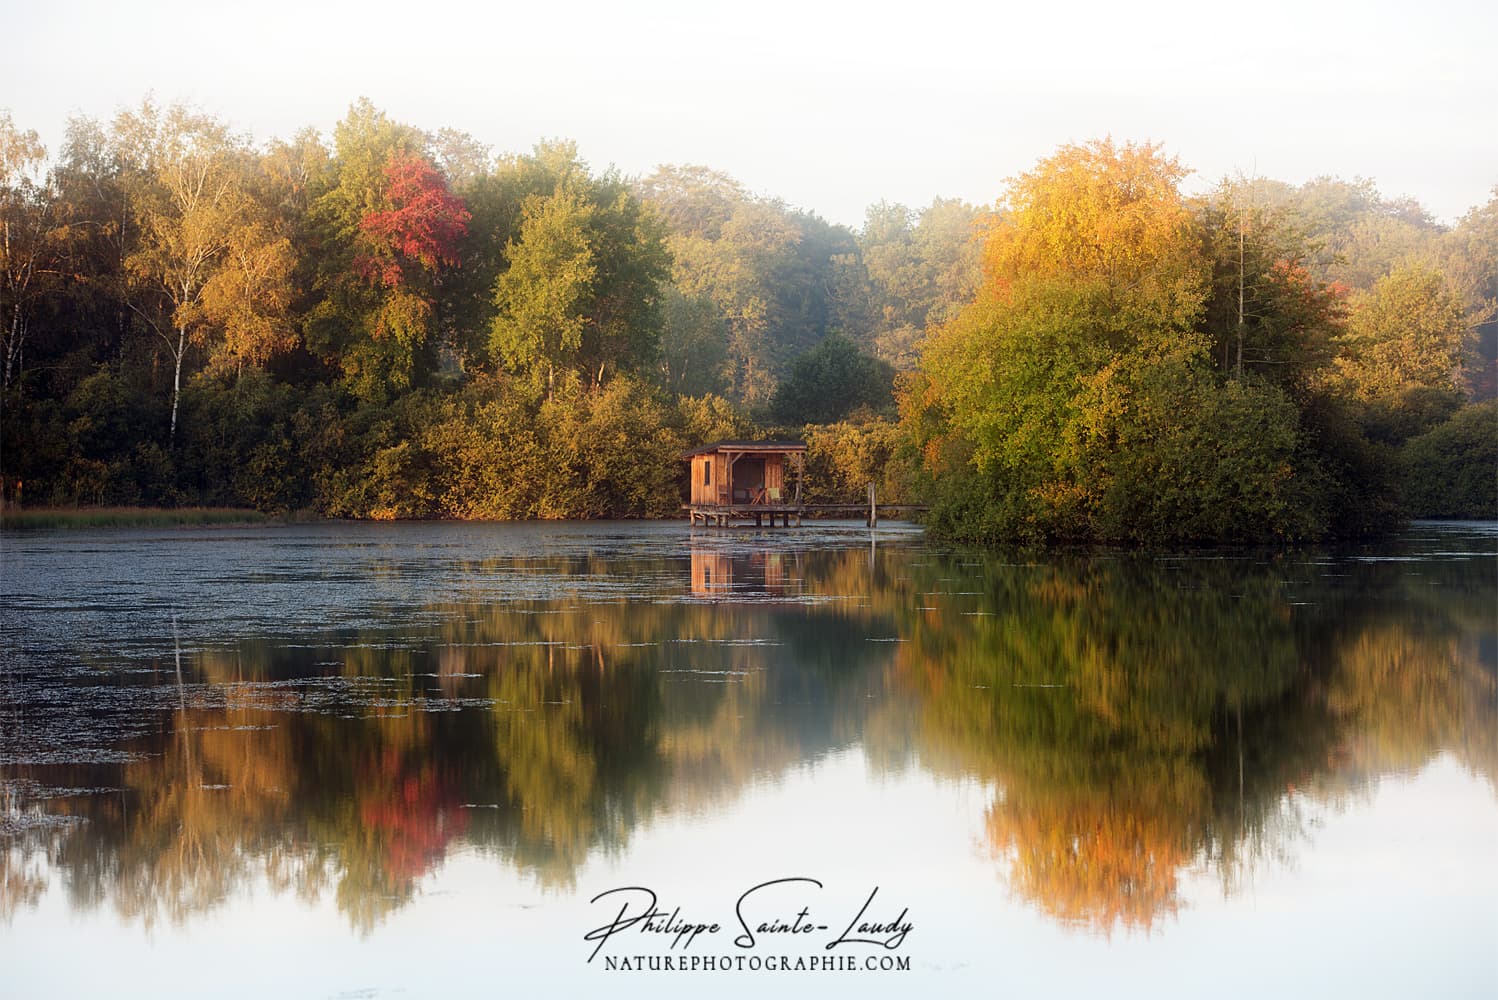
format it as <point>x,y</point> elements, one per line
<point>762,447</point>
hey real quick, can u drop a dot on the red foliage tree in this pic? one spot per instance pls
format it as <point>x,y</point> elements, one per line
<point>423,226</point>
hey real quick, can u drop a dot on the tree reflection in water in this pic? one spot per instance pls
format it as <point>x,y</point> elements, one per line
<point>1137,719</point>
<point>1141,718</point>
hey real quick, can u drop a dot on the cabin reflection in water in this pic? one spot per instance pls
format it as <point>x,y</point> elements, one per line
<point>717,574</point>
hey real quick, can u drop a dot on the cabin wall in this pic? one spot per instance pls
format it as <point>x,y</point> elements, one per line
<point>775,474</point>
<point>707,492</point>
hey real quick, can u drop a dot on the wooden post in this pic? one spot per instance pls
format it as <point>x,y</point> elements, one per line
<point>873,510</point>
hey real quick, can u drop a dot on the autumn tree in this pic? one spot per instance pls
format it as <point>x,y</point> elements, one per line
<point>1075,397</point>
<point>387,231</point>
<point>31,234</point>
<point>205,264</point>
<point>1267,315</point>
<point>1408,333</point>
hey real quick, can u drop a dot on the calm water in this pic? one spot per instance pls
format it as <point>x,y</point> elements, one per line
<point>370,761</point>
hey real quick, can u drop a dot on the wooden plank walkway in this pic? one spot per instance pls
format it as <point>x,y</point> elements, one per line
<point>726,515</point>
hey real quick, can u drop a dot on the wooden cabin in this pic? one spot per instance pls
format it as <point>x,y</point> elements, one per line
<point>734,480</point>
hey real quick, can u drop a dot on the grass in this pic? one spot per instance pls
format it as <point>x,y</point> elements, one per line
<point>125,517</point>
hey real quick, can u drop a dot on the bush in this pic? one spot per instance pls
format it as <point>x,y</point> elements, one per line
<point>1452,470</point>
<point>843,458</point>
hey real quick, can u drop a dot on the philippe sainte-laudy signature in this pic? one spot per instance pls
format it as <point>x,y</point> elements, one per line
<point>770,911</point>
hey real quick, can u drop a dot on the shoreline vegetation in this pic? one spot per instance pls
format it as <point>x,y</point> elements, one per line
<point>22,519</point>
<point>391,323</point>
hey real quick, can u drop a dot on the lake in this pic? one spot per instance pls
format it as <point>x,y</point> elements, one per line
<point>412,760</point>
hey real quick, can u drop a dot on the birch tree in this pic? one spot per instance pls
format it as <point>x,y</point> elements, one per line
<point>206,265</point>
<point>29,238</point>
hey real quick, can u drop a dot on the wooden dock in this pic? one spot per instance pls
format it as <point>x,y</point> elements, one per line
<point>727,515</point>
<point>765,515</point>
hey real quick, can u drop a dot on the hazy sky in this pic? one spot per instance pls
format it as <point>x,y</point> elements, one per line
<point>831,106</point>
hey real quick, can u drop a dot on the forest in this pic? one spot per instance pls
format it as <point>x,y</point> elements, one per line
<point>396,323</point>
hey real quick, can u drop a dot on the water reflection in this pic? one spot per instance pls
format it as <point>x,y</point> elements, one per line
<point>716,573</point>
<point>1135,719</point>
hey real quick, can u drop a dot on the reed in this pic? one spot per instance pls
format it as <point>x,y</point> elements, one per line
<point>125,517</point>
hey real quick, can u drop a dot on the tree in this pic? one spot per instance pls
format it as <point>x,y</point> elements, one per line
<point>773,273</point>
<point>403,248</point>
<point>1469,259</point>
<point>542,296</point>
<point>421,229</point>
<point>1358,234</point>
<point>386,232</point>
<point>1076,395</point>
<point>921,269</point>
<point>1408,333</point>
<point>31,235</point>
<point>204,262</point>
<point>830,381</point>
<point>581,277</point>
<point>1449,470</point>
<point>1109,216</point>
<point>1266,314</point>
<point>694,345</point>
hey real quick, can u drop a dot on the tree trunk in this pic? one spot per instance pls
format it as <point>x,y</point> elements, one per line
<point>13,343</point>
<point>1239,366</point>
<point>177,382</point>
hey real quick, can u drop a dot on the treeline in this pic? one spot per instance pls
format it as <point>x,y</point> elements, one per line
<point>1264,363</point>
<point>399,323</point>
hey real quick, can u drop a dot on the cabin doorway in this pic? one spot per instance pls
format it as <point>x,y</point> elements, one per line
<point>748,478</point>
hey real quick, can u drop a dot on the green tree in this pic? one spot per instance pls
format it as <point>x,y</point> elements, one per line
<point>580,282</point>
<point>774,274</point>
<point>542,296</point>
<point>1358,234</point>
<point>694,345</point>
<point>1452,469</point>
<point>917,269</point>
<point>832,380</point>
<point>1469,259</point>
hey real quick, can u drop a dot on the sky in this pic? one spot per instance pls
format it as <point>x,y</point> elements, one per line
<point>830,106</point>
